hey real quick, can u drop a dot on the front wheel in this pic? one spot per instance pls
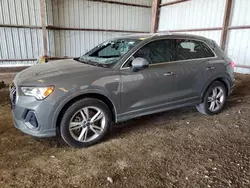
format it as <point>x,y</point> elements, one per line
<point>214,99</point>
<point>85,123</point>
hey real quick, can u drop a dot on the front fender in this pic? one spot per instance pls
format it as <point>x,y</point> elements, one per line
<point>74,95</point>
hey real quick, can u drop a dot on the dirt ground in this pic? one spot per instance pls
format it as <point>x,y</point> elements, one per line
<point>179,148</point>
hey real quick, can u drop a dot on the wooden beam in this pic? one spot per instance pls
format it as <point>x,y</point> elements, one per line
<point>59,58</point>
<point>226,20</point>
<point>12,69</point>
<point>243,66</point>
<point>33,59</point>
<point>173,2</point>
<point>194,29</point>
<point>44,31</point>
<point>92,29</point>
<point>240,27</point>
<point>155,15</point>
<point>10,60</point>
<point>122,3</point>
<point>20,26</point>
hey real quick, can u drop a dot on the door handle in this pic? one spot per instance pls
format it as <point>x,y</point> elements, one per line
<point>169,73</point>
<point>210,68</point>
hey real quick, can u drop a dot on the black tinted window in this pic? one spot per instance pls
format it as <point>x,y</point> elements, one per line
<point>191,49</point>
<point>158,51</point>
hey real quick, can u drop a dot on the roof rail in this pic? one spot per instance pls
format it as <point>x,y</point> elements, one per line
<point>162,33</point>
<point>166,32</point>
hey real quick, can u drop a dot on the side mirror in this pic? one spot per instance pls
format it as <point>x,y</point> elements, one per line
<point>139,63</point>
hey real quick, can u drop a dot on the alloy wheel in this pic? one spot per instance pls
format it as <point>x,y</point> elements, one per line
<point>87,124</point>
<point>216,99</point>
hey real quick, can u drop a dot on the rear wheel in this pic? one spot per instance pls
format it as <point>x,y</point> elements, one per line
<point>86,122</point>
<point>214,99</point>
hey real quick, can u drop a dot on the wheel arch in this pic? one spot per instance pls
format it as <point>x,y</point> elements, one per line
<point>223,79</point>
<point>65,106</point>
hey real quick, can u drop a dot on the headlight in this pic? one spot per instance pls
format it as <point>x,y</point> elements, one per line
<point>37,92</point>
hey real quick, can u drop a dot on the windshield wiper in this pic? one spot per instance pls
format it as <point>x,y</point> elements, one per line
<point>99,64</point>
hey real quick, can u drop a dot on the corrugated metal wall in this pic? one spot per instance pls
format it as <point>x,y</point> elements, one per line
<point>238,45</point>
<point>193,14</point>
<point>92,15</point>
<point>204,14</point>
<point>20,43</point>
<point>27,43</point>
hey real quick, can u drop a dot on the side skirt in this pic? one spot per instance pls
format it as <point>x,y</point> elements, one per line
<point>132,114</point>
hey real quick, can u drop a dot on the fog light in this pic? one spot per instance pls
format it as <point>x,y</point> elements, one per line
<point>30,120</point>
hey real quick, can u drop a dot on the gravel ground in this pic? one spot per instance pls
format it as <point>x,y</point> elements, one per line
<point>179,148</point>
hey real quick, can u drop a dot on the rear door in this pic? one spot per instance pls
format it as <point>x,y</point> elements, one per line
<point>193,58</point>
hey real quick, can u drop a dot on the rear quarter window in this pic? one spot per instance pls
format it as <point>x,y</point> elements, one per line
<point>192,49</point>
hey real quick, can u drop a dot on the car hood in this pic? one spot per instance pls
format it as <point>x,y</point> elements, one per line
<point>55,68</point>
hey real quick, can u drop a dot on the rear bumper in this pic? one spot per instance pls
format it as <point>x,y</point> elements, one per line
<point>232,87</point>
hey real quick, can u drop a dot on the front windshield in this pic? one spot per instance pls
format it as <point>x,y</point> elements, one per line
<point>109,52</point>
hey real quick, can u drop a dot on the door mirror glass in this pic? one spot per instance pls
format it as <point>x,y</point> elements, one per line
<point>139,63</point>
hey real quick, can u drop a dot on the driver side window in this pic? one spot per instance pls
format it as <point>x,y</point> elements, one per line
<point>158,51</point>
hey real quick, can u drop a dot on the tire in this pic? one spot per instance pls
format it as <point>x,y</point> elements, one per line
<point>207,107</point>
<point>81,126</point>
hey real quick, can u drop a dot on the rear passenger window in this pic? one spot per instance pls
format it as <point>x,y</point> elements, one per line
<point>191,49</point>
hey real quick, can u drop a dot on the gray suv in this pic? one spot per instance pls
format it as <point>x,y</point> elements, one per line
<point>118,80</point>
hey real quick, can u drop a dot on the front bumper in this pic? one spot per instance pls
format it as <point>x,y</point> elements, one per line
<point>19,124</point>
<point>43,113</point>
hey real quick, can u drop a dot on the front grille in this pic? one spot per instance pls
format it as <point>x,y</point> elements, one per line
<point>13,94</point>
